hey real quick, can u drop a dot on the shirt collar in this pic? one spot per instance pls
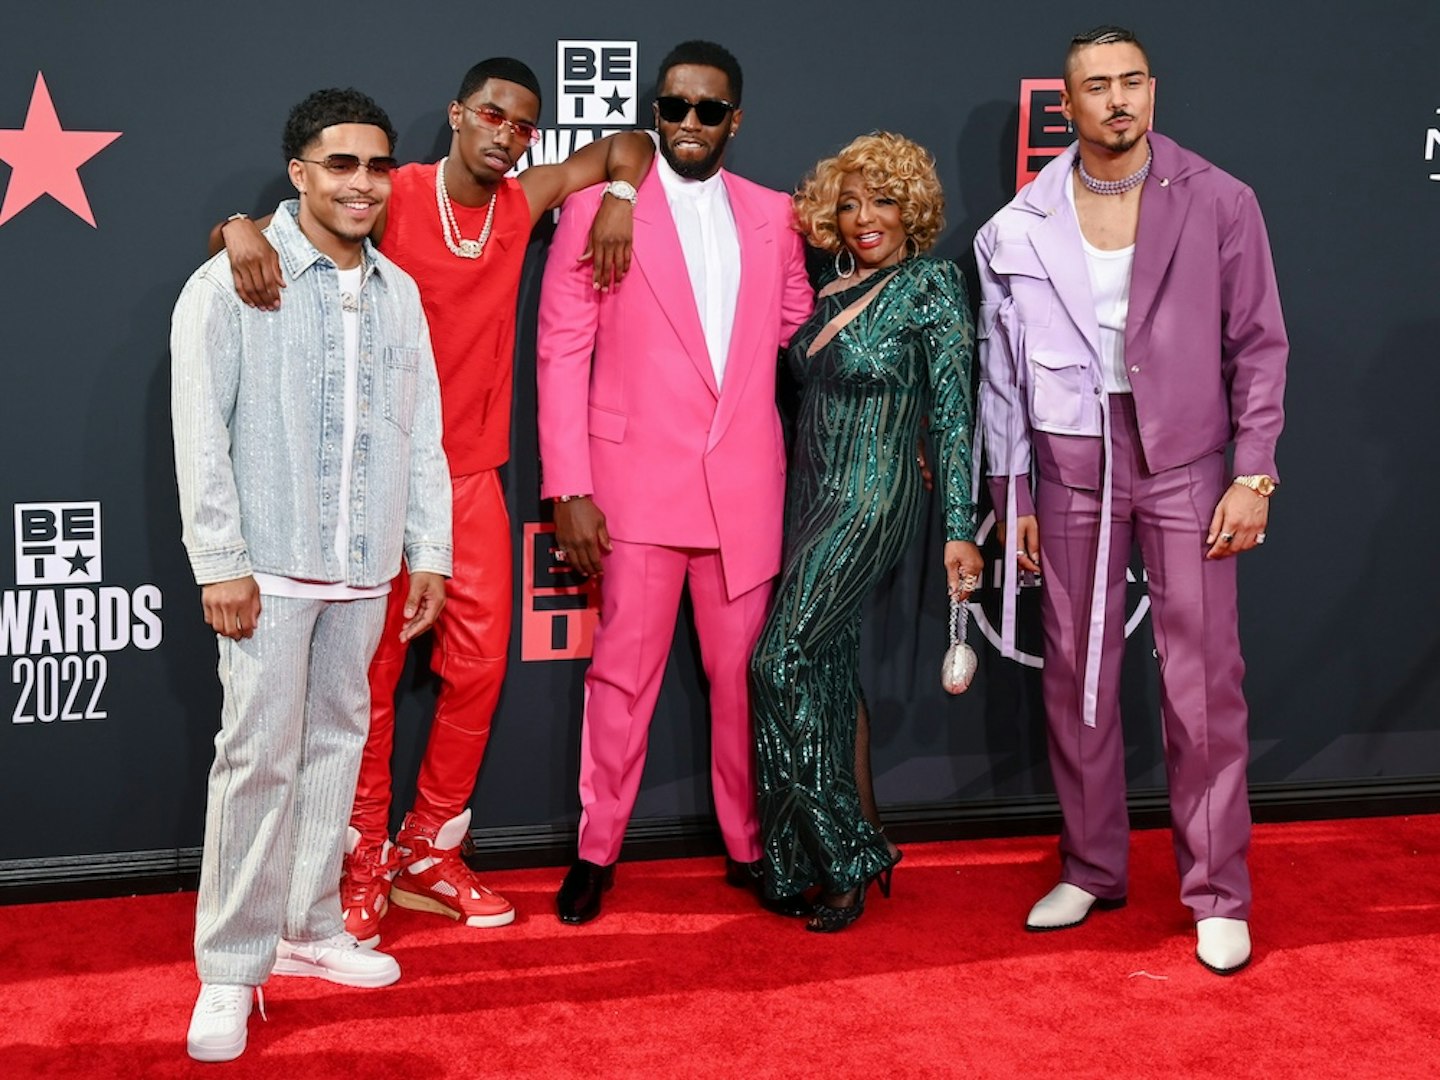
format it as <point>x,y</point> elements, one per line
<point>679,187</point>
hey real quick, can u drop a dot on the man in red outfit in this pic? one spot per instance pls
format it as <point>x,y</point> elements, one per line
<point>460,228</point>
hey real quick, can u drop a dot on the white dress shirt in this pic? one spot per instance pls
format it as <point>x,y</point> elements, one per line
<point>701,209</point>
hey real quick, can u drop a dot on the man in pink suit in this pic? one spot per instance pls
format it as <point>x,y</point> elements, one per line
<point>661,448</point>
<point>1130,331</point>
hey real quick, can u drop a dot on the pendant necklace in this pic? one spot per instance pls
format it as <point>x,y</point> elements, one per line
<point>450,228</point>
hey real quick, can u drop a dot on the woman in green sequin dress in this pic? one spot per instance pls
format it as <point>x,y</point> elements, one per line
<point>890,342</point>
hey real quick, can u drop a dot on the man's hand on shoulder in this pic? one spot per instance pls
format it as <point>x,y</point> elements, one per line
<point>611,238</point>
<point>254,264</point>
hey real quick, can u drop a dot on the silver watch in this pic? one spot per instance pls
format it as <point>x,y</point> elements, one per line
<point>622,189</point>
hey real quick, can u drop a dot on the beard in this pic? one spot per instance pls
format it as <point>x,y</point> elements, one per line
<point>1125,140</point>
<point>693,168</point>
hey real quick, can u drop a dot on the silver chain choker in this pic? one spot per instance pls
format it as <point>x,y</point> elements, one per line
<point>450,228</point>
<point>1115,187</point>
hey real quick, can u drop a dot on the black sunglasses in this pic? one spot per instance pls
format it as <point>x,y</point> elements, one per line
<point>711,112</point>
<point>349,165</point>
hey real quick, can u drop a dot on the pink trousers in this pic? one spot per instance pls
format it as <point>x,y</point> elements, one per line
<point>640,602</point>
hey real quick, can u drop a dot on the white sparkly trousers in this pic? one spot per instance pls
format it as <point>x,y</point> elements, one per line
<point>293,723</point>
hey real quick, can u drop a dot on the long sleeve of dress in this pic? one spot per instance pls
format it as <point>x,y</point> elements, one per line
<point>949,347</point>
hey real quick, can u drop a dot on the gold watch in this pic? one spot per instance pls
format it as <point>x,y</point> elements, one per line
<point>1258,483</point>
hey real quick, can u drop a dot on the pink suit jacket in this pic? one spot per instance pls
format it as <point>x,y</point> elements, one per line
<point>629,408</point>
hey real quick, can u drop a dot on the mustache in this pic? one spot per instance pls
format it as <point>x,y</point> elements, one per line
<point>1119,114</point>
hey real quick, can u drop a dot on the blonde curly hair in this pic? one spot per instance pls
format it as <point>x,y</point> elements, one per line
<point>889,163</point>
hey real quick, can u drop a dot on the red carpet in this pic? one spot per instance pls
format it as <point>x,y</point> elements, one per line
<point>682,976</point>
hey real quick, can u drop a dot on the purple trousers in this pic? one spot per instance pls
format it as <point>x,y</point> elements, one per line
<point>1193,613</point>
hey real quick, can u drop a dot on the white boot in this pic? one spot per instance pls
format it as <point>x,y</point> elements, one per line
<point>1223,945</point>
<point>1065,906</point>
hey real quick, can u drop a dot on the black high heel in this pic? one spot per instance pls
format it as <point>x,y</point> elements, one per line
<point>883,878</point>
<point>831,920</point>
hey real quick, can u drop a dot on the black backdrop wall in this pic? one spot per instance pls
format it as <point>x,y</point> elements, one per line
<point>108,697</point>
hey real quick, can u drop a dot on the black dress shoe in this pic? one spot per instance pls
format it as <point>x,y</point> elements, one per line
<point>752,876</point>
<point>578,900</point>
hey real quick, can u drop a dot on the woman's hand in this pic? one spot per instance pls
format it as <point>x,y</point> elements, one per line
<point>963,565</point>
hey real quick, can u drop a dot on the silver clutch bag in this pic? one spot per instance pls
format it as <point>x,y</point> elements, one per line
<point>958,668</point>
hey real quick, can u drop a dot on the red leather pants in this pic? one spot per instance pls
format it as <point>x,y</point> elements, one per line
<point>472,638</point>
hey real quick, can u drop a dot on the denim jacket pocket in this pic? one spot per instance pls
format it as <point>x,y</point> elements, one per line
<point>1057,390</point>
<point>402,370</point>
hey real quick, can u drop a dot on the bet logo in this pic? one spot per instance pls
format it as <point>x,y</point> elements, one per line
<point>57,543</point>
<point>597,82</point>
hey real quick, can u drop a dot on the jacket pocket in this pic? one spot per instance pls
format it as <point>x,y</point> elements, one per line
<point>402,370</point>
<point>1057,389</point>
<point>606,424</point>
<point>1027,281</point>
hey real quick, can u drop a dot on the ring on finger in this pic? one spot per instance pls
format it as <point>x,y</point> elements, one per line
<point>1225,538</point>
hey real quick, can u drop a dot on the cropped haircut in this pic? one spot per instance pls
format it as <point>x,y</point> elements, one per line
<point>1102,35</point>
<point>326,108</point>
<point>706,54</point>
<point>506,68</point>
<point>889,164</point>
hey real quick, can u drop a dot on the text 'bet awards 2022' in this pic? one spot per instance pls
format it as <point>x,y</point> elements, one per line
<point>60,624</point>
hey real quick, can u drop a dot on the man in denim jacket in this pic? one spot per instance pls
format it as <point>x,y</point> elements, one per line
<point>308,456</point>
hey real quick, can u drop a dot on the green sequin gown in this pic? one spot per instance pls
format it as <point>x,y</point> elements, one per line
<point>852,504</point>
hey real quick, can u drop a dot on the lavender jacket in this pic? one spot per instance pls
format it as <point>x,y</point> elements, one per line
<point>1205,340</point>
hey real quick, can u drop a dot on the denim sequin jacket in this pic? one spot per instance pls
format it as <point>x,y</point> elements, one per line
<point>257,403</point>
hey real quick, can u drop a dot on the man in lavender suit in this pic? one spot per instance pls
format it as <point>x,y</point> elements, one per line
<point>1130,331</point>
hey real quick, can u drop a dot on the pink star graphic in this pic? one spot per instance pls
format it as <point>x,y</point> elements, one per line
<point>45,159</point>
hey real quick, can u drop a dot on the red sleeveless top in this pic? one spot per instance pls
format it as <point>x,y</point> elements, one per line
<point>470,305</point>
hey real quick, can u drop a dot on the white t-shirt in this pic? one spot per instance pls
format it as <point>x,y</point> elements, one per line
<point>1110,290</point>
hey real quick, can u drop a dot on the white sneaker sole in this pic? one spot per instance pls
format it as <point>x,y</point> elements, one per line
<point>218,1051</point>
<point>304,969</point>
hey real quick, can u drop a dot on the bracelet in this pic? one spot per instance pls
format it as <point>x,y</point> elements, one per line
<point>241,216</point>
<point>570,498</point>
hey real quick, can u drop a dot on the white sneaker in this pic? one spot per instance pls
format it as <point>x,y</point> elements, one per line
<point>339,959</point>
<point>1065,906</point>
<point>220,1023</point>
<point>1222,945</point>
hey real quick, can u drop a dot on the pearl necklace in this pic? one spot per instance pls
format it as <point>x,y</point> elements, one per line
<point>450,228</point>
<point>1115,187</point>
